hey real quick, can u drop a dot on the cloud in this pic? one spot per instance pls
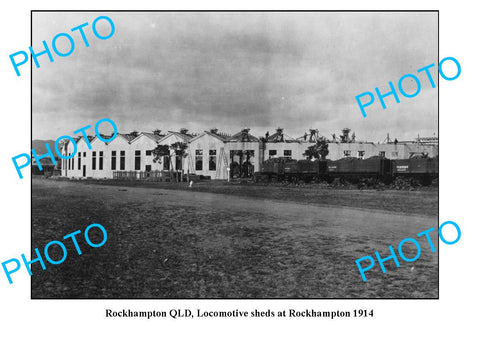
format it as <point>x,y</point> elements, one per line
<point>230,70</point>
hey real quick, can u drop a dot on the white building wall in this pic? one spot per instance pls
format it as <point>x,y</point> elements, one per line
<point>431,150</point>
<point>297,149</point>
<point>97,146</point>
<point>338,150</point>
<point>143,144</point>
<point>236,146</point>
<point>70,169</point>
<point>169,140</point>
<point>118,145</point>
<point>85,159</point>
<point>205,143</point>
<point>391,150</point>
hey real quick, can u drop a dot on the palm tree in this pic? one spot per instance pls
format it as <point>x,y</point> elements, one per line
<point>318,150</point>
<point>179,149</point>
<point>159,152</point>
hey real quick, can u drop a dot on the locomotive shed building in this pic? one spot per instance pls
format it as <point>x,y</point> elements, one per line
<point>211,153</point>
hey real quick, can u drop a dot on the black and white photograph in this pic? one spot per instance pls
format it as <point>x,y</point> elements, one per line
<point>226,156</point>
<point>239,170</point>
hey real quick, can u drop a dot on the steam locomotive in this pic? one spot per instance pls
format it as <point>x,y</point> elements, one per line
<point>349,169</point>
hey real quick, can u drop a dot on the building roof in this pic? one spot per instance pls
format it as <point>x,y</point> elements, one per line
<point>243,136</point>
<point>126,136</point>
<point>215,132</point>
<point>152,136</point>
<point>279,136</point>
<point>186,137</point>
<point>221,137</point>
<point>78,138</point>
<point>311,136</point>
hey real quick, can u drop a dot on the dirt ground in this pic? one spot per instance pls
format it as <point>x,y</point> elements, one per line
<point>183,243</point>
<point>317,194</point>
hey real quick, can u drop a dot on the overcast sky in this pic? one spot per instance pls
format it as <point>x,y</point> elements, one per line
<point>234,70</point>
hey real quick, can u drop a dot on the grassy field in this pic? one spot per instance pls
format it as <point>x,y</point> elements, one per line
<point>230,241</point>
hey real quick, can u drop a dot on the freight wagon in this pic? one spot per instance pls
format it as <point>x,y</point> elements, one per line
<point>423,169</point>
<point>353,169</point>
<point>377,169</point>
